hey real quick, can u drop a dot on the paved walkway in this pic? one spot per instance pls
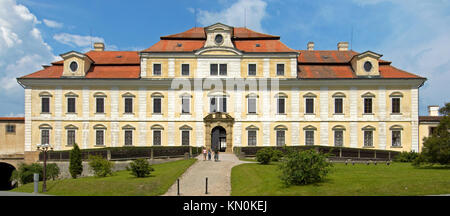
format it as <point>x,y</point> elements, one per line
<point>193,181</point>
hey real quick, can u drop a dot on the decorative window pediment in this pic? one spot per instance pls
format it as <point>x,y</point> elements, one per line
<point>253,127</point>
<point>396,94</point>
<point>252,95</point>
<point>309,127</point>
<point>218,93</point>
<point>185,95</point>
<point>99,94</point>
<point>157,127</point>
<point>396,127</point>
<point>368,128</point>
<point>99,127</point>
<point>310,94</point>
<point>368,94</point>
<point>71,127</point>
<point>128,127</point>
<point>280,127</point>
<point>338,94</point>
<point>185,127</point>
<point>45,94</point>
<point>338,127</point>
<point>281,95</point>
<point>45,126</point>
<point>128,94</point>
<point>157,94</point>
<point>70,94</point>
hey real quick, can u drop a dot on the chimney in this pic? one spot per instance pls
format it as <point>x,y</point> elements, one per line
<point>433,110</point>
<point>98,46</point>
<point>310,46</point>
<point>342,46</point>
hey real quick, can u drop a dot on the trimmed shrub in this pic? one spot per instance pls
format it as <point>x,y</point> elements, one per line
<point>52,171</point>
<point>100,166</point>
<point>406,157</point>
<point>24,174</point>
<point>264,155</point>
<point>75,165</point>
<point>304,167</point>
<point>276,155</point>
<point>140,168</point>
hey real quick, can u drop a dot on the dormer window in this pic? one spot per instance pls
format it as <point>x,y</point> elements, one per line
<point>368,66</point>
<point>73,66</point>
<point>218,39</point>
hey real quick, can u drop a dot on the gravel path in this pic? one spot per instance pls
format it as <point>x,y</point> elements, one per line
<point>193,181</point>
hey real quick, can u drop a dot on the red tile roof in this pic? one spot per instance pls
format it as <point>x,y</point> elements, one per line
<point>262,46</point>
<point>176,46</point>
<point>12,119</point>
<point>198,33</point>
<point>114,72</point>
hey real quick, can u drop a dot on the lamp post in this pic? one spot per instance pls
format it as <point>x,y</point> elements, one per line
<point>44,148</point>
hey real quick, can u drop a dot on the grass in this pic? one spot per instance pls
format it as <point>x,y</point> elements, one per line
<point>398,179</point>
<point>122,183</point>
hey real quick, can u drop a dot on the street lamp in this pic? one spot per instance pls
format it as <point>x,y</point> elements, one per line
<point>44,148</point>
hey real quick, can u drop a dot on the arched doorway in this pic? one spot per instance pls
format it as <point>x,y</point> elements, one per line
<point>219,139</point>
<point>5,176</point>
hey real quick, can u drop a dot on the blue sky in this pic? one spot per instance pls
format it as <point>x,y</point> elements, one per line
<point>413,34</point>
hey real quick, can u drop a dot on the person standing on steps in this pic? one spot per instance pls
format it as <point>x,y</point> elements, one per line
<point>209,154</point>
<point>204,154</point>
<point>216,155</point>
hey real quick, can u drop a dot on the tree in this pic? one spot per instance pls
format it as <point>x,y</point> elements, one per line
<point>436,148</point>
<point>76,164</point>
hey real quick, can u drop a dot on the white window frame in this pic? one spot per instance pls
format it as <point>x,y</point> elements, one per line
<point>75,105</point>
<point>74,137</point>
<point>217,103</point>
<point>364,106</point>
<point>314,106</point>
<point>276,137</point>
<point>160,138</point>
<point>49,135</point>
<point>125,105</point>
<point>153,69</point>
<point>181,69</point>
<point>181,137</point>
<point>392,137</point>
<point>125,137</point>
<point>103,132</point>
<point>189,107</point>
<point>49,101</point>
<point>248,69</point>
<point>256,135</point>
<point>314,140</point>
<point>278,104</point>
<point>334,106</point>
<point>334,137</point>
<point>399,105</point>
<point>276,69</point>
<point>364,138</point>
<point>256,105</point>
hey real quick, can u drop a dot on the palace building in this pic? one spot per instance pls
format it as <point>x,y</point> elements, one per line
<point>220,87</point>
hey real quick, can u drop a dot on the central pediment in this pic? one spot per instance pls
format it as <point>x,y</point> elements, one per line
<point>219,35</point>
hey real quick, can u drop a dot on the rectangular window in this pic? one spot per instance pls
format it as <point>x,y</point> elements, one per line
<point>185,69</point>
<point>99,137</point>
<point>368,138</point>
<point>213,105</point>
<point>70,137</point>
<point>157,69</point>
<point>281,106</point>
<point>368,105</point>
<point>45,105</point>
<point>157,138</point>
<point>100,106</point>
<point>223,104</point>
<point>309,137</point>
<point>252,105</point>
<point>252,69</point>
<point>156,105</point>
<point>338,107</point>
<point>10,128</point>
<point>185,138</point>
<point>395,105</point>
<point>396,138</point>
<point>214,69</point>
<point>280,138</point>
<point>339,138</point>
<point>185,104</point>
<point>309,105</point>
<point>251,138</point>
<point>280,69</point>
<point>128,105</point>
<point>223,69</point>
<point>71,105</point>
<point>128,137</point>
<point>45,137</point>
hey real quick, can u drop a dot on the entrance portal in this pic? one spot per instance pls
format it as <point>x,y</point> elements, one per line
<point>219,139</point>
<point>5,176</point>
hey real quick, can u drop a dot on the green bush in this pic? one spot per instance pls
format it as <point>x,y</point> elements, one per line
<point>304,167</point>
<point>25,173</point>
<point>100,166</point>
<point>75,164</point>
<point>264,155</point>
<point>406,157</point>
<point>140,168</point>
<point>276,155</point>
<point>52,171</point>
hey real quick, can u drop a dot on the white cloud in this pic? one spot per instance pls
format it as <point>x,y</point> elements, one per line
<point>22,51</point>
<point>248,13</point>
<point>52,24</point>
<point>77,40</point>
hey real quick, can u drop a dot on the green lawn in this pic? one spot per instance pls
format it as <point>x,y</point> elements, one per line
<point>122,183</point>
<point>358,180</point>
